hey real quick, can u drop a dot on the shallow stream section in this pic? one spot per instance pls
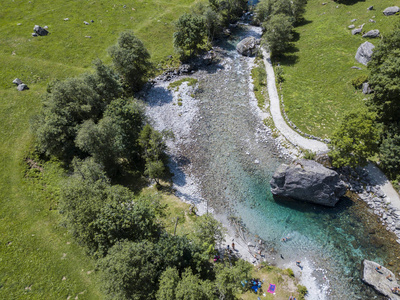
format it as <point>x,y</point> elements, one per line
<point>224,156</point>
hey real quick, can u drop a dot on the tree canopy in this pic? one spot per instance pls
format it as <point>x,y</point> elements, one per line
<point>190,33</point>
<point>131,59</point>
<point>385,77</point>
<point>356,139</point>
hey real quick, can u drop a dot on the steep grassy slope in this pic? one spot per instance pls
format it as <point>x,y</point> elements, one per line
<point>317,90</point>
<point>39,259</point>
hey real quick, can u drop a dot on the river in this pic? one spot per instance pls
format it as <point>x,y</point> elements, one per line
<point>226,156</point>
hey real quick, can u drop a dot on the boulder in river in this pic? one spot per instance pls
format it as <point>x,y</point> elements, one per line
<point>247,46</point>
<point>380,278</point>
<point>308,181</point>
<point>364,53</point>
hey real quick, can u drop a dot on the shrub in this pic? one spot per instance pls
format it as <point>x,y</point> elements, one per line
<point>289,272</point>
<point>302,291</point>
<point>358,81</point>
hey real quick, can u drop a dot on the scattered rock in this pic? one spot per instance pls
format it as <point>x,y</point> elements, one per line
<point>92,21</point>
<point>308,181</point>
<point>66,19</point>
<point>17,81</point>
<point>378,280</point>
<point>392,10</point>
<point>357,68</point>
<point>366,89</point>
<point>247,46</point>
<point>372,21</point>
<point>324,3</point>
<point>88,36</point>
<point>372,34</point>
<point>46,27</point>
<point>352,21</point>
<point>351,26</point>
<point>364,53</point>
<point>86,23</point>
<point>40,30</point>
<point>34,34</point>
<point>21,87</point>
<point>370,8</point>
<point>19,24</point>
<point>356,31</point>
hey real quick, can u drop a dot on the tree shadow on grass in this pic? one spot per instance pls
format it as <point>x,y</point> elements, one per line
<point>289,57</point>
<point>348,2</point>
<point>302,22</point>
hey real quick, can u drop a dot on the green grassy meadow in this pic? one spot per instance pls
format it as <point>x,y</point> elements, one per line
<point>317,90</point>
<point>38,257</point>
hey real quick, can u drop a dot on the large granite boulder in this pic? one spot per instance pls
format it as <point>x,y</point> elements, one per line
<point>379,280</point>
<point>309,181</point>
<point>364,53</point>
<point>392,10</point>
<point>247,46</point>
<point>372,34</point>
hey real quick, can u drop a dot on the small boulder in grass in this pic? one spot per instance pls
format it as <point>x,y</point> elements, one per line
<point>22,87</point>
<point>40,30</point>
<point>17,81</point>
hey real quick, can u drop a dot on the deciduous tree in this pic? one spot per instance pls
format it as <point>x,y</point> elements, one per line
<point>356,139</point>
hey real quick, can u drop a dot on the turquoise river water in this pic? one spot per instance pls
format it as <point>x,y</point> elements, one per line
<point>234,156</point>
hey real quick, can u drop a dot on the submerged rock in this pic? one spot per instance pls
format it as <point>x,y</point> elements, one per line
<point>308,181</point>
<point>381,279</point>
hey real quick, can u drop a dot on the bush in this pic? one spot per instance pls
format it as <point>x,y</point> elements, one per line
<point>302,291</point>
<point>289,272</point>
<point>132,60</point>
<point>358,81</point>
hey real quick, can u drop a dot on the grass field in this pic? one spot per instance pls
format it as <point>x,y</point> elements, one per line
<point>38,258</point>
<point>317,90</point>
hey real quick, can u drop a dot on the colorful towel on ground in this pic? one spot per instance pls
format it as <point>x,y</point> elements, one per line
<point>271,288</point>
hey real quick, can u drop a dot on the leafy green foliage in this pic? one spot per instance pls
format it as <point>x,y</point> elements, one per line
<point>228,278</point>
<point>265,9</point>
<point>189,34</point>
<point>191,287</point>
<point>357,139</point>
<point>130,271</point>
<point>208,231</point>
<point>131,59</point>
<point>390,152</point>
<point>100,214</point>
<point>229,10</point>
<point>302,291</point>
<point>153,152</point>
<point>278,33</point>
<point>69,103</point>
<point>385,77</point>
<point>169,280</point>
<point>212,20</point>
<point>358,81</point>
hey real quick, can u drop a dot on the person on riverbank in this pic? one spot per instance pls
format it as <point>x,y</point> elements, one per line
<point>233,246</point>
